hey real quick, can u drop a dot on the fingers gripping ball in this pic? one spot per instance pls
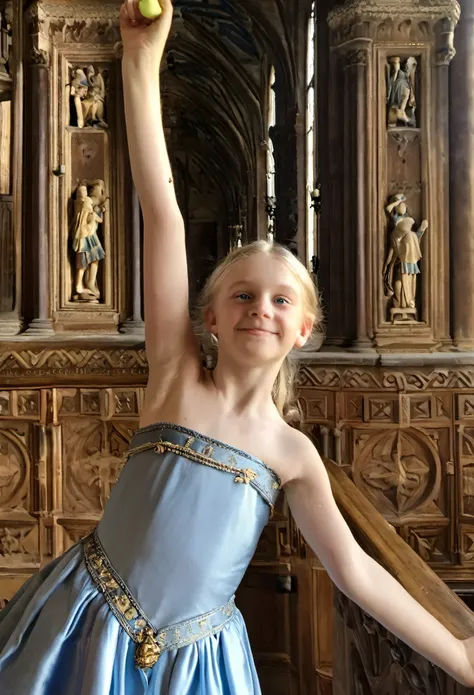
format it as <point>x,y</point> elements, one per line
<point>150,9</point>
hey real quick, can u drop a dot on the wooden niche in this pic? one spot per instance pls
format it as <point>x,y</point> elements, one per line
<point>395,57</point>
<point>89,194</point>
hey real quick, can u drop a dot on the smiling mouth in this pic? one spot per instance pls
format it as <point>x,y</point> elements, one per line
<point>256,331</point>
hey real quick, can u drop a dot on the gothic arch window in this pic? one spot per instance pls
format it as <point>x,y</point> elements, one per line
<point>271,188</point>
<point>312,189</point>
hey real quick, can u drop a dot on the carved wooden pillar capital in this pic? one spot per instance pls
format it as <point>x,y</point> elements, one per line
<point>35,18</point>
<point>357,57</point>
<point>445,50</point>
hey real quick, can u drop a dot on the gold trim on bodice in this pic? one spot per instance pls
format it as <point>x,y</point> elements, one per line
<point>242,475</point>
<point>151,642</point>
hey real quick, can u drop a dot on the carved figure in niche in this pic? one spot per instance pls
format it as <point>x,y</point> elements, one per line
<point>87,98</point>
<point>89,209</point>
<point>78,91</point>
<point>401,265</point>
<point>401,99</point>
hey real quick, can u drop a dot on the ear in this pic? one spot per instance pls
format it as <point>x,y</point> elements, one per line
<point>211,320</point>
<point>304,333</point>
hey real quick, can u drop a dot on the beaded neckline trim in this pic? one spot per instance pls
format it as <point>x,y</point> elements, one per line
<point>209,440</point>
<point>247,476</point>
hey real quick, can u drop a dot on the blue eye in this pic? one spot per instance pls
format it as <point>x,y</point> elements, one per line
<point>243,295</point>
<point>281,300</point>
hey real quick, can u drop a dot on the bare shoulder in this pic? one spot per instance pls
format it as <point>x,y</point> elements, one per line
<point>295,455</point>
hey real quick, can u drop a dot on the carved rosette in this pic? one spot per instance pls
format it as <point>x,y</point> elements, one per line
<point>400,469</point>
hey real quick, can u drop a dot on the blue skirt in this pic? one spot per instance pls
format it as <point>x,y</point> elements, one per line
<point>89,249</point>
<point>58,636</point>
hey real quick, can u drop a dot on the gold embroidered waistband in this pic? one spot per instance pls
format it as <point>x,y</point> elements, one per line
<point>151,642</point>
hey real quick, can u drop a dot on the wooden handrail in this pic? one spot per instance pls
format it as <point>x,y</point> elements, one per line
<point>382,542</point>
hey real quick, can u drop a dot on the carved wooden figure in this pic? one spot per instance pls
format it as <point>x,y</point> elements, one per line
<point>87,91</point>
<point>401,265</point>
<point>78,91</point>
<point>401,99</point>
<point>89,209</point>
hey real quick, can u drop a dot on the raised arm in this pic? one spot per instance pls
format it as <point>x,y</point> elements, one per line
<point>167,325</point>
<point>362,579</point>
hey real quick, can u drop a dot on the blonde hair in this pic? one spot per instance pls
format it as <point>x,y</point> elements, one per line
<point>283,393</point>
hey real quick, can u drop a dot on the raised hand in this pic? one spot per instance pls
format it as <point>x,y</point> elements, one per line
<point>140,34</point>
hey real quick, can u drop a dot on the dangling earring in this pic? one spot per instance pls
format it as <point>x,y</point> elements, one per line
<point>214,339</point>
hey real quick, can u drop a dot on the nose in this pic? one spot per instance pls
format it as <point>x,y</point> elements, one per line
<point>261,307</point>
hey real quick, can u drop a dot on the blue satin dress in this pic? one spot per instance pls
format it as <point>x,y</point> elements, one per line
<point>145,604</point>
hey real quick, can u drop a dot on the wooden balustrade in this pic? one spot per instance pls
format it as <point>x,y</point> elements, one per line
<point>367,659</point>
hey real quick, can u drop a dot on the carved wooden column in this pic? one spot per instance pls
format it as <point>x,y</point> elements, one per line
<point>11,18</point>
<point>37,179</point>
<point>135,323</point>
<point>37,192</point>
<point>462,179</point>
<point>444,54</point>
<point>357,181</point>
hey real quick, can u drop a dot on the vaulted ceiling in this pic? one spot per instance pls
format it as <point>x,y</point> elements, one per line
<point>215,87</point>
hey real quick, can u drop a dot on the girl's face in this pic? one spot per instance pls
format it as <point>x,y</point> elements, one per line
<point>258,314</point>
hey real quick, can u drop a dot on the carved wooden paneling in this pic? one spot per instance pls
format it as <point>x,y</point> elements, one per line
<point>19,526</point>
<point>317,408</point>
<point>399,469</point>
<point>371,661</point>
<point>60,451</point>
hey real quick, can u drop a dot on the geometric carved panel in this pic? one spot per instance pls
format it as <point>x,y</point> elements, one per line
<point>14,471</point>
<point>465,406</point>
<point>430,407</point>
<point>354,406</point>
<point>399,469</point>
<point>466,463</point>
<point>92,455</point>
<point>380,409</point>
<point>18,528</point>
<point>316,407</point>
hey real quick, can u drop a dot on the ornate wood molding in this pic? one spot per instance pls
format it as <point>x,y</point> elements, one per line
<point>71,363</point>
<point>401,380</point>
<point>377,11</point>
<point>75,23</point>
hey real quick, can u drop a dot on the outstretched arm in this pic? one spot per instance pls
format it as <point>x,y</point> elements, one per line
<point>362,579</point>
<point>168,328</point>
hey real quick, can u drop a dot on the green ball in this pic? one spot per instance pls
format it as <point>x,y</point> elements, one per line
<point>150,9</point>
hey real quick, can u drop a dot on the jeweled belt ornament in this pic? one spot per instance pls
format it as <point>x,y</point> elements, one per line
<point>151,643</point>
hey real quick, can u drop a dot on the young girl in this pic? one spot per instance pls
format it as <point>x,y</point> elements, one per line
<point>145,604</point>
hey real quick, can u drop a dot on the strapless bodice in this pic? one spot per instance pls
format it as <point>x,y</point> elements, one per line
<point>184,519</point>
